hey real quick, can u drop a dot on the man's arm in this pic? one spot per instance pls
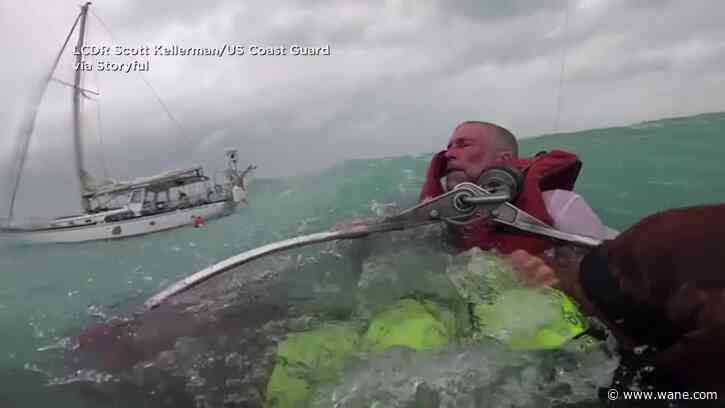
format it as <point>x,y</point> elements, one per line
<point>572,214</point>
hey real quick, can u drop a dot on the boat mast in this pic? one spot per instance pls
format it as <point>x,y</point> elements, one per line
<point>77,107</point>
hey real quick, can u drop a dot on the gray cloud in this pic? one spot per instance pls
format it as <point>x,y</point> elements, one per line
<point>402,74</point>
<point>492,9</point>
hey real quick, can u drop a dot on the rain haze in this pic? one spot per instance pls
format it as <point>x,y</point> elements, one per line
<point>400,75</point>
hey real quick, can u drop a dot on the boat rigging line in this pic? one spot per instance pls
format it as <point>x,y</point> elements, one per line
<point>28,124</point>
<point>143,78</point>
<point>562,72</point>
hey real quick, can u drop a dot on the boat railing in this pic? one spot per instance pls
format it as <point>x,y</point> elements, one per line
<point>27,222</point>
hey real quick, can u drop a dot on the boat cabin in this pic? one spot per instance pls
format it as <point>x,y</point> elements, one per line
<point>152,195</point>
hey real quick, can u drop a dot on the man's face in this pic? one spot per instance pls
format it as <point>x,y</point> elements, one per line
<point>471,149</point>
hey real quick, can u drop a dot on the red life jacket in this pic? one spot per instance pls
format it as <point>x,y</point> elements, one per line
<point>547,171</point>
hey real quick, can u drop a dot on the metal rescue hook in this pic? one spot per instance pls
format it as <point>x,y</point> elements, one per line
<point>467,202</point>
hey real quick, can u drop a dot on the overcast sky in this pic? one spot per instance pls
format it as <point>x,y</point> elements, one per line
<point>401,75</point>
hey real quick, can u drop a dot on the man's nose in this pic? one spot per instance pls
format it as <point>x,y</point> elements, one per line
<point>450,153</point>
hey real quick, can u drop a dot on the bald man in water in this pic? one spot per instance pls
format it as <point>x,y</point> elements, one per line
<point>545,190</point>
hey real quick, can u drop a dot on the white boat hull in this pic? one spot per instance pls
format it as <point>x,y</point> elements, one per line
<point>126,228</point>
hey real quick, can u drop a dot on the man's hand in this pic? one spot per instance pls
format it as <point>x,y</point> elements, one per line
<point>560,271</point>
<point>532,270</point>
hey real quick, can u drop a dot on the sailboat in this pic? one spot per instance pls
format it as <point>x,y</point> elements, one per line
<point>112,209</point>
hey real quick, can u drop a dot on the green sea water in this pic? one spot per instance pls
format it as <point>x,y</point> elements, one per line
<point>48,292</point>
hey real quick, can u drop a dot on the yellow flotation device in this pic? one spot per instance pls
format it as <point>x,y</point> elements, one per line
<point>527,319</point>
<point>308,358</point>
<point>502,309</point>
<point>417,324</point>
